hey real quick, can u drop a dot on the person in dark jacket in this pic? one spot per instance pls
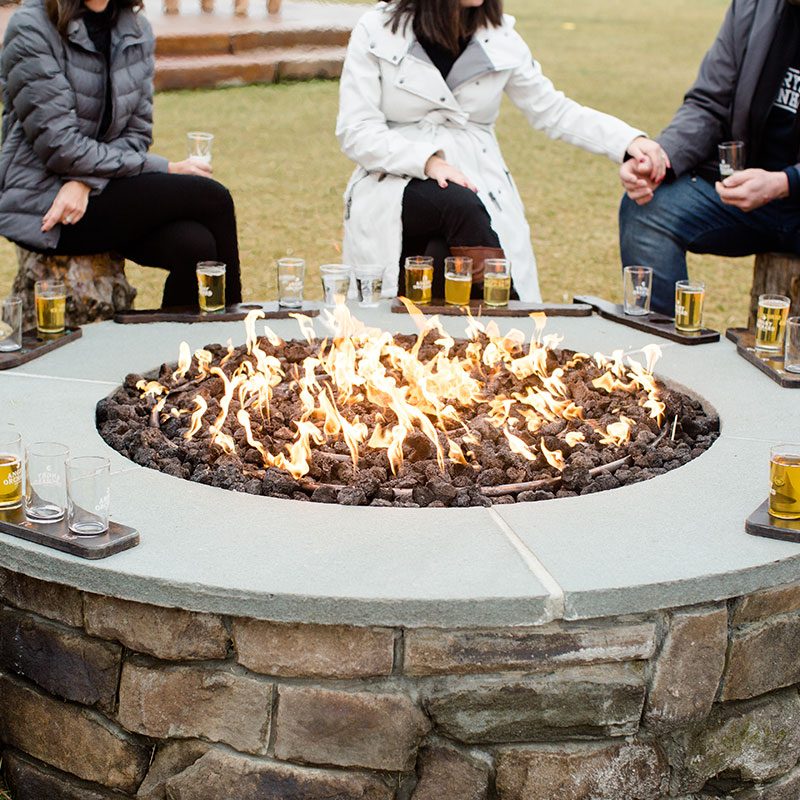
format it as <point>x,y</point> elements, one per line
<point>76,176</point>
<point>748,89</point>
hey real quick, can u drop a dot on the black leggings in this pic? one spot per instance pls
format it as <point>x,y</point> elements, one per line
<point>166,221</point>
<point>436,219</point>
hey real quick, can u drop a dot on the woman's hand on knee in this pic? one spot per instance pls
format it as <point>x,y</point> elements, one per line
<point>69,206</point>
<point>190,166</point>
<point>437,169</point>
<point>651,159</point>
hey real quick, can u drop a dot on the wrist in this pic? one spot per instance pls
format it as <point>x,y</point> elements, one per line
<point>788,183</point>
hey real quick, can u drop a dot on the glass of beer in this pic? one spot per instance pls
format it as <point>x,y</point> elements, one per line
<point>11,325</point>
<point>689,299</point>
<point>11,469</point>
<point>732,158</point>
<point>496,282</point>
<point>211,286</point>
<point>88,495</point>
<point>335,283</point>
<point>419,279</point>
<point>457,280</point>
<point>773,312</point>
<point>637,287</point>
<point>51,307</point>
<point>370,285</point>
<point>46,481</point>
<point>792,361</point>
<point>784,474</point>
<point>200,146</point>
<point>291,281</point>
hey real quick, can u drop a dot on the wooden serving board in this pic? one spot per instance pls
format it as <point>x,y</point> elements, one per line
<point>515,308</point>
<point>33,347</point>
<point>771,365</point>
<point>58,536</point>
<point>658,324</point>
<point>760,523</point>
<point>233,313</point>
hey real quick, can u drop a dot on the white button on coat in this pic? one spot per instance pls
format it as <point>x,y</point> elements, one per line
<point>396,111</point>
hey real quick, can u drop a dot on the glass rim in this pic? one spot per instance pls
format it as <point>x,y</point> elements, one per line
<point>369,270</point>
<point>690,284</point>
<point>290,261</point>
<point>39,448</point>
<point>203,136</point>
<point>777,449</point>
<point>732,143</point>
<point>419,261</point>
<point>13,300</point>
<point>9,435</point>
<point>637,268</point>
<point>48,283</point>
<point>81,463</point>
<point>334,268</point>
<point>784,299</point>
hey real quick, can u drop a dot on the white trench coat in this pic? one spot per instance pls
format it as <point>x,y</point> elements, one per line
<point>396,110</point>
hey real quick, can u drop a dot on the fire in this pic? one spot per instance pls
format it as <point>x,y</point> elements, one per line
<point>365,391</point>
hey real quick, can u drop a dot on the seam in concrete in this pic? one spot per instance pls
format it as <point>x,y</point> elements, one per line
<point>57,378</point>
<point>556,602</point>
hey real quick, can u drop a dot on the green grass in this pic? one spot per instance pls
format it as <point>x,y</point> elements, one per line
<point>276,150</point>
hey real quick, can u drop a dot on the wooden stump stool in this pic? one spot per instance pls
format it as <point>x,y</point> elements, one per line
<point>775,273</point>
<point>96,285</point>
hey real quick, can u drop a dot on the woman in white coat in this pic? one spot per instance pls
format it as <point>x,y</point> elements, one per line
<point>420,93</point>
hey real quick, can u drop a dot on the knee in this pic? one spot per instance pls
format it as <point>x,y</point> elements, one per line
<point>218,197</point>
<point>195,243</point>
<point>464,203</point>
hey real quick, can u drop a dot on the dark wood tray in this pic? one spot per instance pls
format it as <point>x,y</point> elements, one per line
<point>760,523</point>
<point>33,347</point>
<point>771,365</point>
<point>515,308</point>
<point>658,324</point>
<point>58,536</point>
<point>231,314</point>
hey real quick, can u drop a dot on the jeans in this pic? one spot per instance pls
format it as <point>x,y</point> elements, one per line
<point>688,215</point>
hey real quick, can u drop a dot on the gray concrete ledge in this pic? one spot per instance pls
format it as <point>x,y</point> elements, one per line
<point>675,540</point>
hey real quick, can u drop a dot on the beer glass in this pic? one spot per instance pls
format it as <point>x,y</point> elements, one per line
<point>496,282</point>
<point>732,157</point>
<point>11,468</point>
<point>200,146</point>
<point>419,279</point>
<point>211,286</point>
<point>792,361</point>
<point>457,280</point>
<point>46,481</point>
<point>370,284</point>
<point>637,286</point>
<point>773,312</point>
<point>88,495</point>
<point>335,283</point>
<point>51,306</point>
<point>291,281</point>
<point>784,473</point>
<point>689,299</point>
<point>11,325</point>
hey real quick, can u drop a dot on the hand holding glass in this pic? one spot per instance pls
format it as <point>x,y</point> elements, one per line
<point>732,158</point>
<point>200,146</point>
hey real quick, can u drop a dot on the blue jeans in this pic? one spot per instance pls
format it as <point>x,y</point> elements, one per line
<point>688,215</point>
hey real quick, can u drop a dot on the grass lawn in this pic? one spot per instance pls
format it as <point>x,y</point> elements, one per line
<point>276,151</point>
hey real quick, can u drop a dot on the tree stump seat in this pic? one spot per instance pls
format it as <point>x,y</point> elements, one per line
<point>775,273</point>
<point>97,287</point>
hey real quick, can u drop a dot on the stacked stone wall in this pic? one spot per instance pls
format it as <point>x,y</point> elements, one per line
<point>104,699</point>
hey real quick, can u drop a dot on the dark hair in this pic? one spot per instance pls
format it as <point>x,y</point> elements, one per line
<point>444,22</point>
<point>62,12</point>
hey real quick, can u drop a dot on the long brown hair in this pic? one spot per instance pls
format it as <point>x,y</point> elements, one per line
<point>62,12</point>
<point>444,22</point>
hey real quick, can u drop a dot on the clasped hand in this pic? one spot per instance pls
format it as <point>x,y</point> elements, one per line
<point>645,170</point>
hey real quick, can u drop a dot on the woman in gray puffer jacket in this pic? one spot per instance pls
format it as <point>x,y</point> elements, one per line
<point>75,173</point>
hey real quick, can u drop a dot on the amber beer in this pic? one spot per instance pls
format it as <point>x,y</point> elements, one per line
<point>689,299</point>
<point>496,282</point>
<point>10,481</point>
<point>457,289</point>
<point>773,312</point>
<point>419,279</point>
<point>784,496</point>
<point>211,286</point>
<point>51,307</point>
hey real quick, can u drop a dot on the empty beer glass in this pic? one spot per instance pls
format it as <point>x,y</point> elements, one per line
<point>88,495</point>
<point>792,360</point>
<point>637,285</point>
<point>335,283</point>
<point>291,282</point>
<point>200,146</point>
<point>370,285</point>
<point>11,325</point>
<point>46,481</point>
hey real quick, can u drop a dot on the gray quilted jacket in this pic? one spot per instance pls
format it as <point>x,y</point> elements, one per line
<point>52,92</point>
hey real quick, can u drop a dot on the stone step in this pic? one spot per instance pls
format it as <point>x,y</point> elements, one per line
<point>260,65</point>
<point>227,42</point>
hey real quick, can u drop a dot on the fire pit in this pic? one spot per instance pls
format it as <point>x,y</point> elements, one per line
<point>633,643</point>
<point>362,417</point>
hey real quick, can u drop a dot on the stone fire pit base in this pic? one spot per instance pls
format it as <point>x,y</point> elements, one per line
<point>104,699</point>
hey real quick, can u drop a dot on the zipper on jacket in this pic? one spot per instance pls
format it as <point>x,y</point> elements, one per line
<point>349,202</point>
<point>494,200</point>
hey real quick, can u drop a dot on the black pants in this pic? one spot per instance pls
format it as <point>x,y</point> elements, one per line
<point>165,221</point>
<point>436,219</point>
